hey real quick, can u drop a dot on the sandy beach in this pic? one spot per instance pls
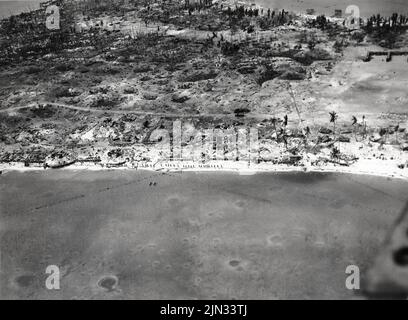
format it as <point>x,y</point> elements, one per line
<point>370,167</point>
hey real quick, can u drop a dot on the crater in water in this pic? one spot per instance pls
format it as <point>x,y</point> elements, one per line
<point>234,263</point>
<point>108,283</point>
<point>401,256</point>
<point>240,203</point>
<point>274,240</point>
<point>25,280</point>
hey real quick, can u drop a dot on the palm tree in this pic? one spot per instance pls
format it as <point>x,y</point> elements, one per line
<point>335,153</point>
<point>306,135</point>
<point>396,128</point>
<point>383,133</point>
<point>283,135</point>
<point>333,119</point>
<point>354,122</point>
<point>273,120</point>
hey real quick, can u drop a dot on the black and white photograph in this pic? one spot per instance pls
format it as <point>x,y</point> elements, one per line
<point>206,150</point>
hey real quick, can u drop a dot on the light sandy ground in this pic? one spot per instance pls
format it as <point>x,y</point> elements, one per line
<point>372,167</point>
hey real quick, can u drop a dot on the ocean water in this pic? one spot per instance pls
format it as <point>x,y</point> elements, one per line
<point>367,7</point>
<point>191,235</point>
<point>8,8</point>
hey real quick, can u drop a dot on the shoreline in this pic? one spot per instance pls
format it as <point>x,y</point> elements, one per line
<point>365,167</point>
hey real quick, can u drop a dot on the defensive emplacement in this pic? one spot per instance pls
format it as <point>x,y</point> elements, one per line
<point>388,54</point>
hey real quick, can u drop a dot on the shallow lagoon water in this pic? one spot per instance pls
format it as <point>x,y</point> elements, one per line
<point>367,7</point>
<point>116,235</point>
